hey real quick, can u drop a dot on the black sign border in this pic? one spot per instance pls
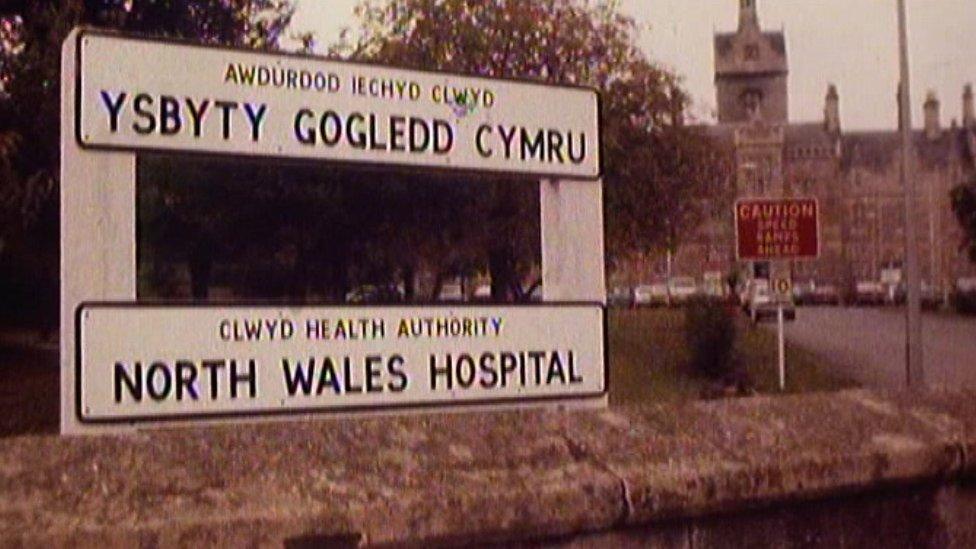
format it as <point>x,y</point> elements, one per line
<point>301,413</point>
<point>86,31</point>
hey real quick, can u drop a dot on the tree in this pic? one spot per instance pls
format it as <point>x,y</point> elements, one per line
<point>964,205</point>
<point>656,168</point>
<point>31,33</point>
<point>266,231</point>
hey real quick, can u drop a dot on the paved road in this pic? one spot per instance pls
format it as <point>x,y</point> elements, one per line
<point>869,344</point>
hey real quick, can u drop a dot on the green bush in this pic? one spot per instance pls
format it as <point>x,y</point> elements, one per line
<point>710,334</point>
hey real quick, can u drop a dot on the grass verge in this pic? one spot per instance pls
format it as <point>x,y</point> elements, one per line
<point>648,359</point>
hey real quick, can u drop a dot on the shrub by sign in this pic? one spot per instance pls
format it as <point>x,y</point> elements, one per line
<point>770,229</point>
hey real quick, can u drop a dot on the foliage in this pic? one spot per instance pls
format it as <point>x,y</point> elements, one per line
<point>710,335</point>
<point>373,226</point>
<point>296,231</point>
<point>657,169</point>
<point>648,358</point>
<point>964,205</point>
<point>31,34</point>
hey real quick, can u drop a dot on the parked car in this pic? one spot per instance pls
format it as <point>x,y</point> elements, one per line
<point>966,284</point>
<point>620,296</point>
<point>714,285</point>
<point>651,295</point>
<point>682,289</point>
<point>867,292</point>
<point>931,296</point>
<point>369,293</point>
<point>803,292</point>
<point>452,292</point>
<point>825,294</point>
<point>482,293</point>
<point>896,293</point>
<point>747,288</point>
<point>762,304</point>
<point>964,295</point>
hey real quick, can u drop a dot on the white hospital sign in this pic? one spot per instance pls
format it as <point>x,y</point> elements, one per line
<point>272,360</point>
<point>149,95</point>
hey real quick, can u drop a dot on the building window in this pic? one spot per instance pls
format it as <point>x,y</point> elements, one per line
<point>806,185</point>
<point>751,52</point>
<point>748,177</point>
<point>752,103</point>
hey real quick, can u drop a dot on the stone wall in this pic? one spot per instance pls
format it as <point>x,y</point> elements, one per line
<point>510,477</point>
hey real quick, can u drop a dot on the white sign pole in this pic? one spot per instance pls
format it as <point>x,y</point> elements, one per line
<point>572,240</point>
<point>98,227</point>
<point>782,348</point>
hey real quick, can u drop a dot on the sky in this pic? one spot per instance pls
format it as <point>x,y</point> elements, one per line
<point>851,43</point>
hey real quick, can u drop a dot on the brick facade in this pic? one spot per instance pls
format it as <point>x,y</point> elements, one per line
<point>854,175</point>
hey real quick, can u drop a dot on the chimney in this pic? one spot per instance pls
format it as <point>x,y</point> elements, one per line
<point>748,17</point>
<point>968,110</point>
<point>932,125</point>
<point>832,111</point>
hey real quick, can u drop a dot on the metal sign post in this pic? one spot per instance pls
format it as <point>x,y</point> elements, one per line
<point>782,290</point>
<point>782,347</point>
<point>914,372</point>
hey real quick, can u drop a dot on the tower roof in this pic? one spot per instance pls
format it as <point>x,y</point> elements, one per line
<point>750,50</point>
<point>748,16</point>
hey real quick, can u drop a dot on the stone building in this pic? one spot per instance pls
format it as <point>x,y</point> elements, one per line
<point>853,174</point>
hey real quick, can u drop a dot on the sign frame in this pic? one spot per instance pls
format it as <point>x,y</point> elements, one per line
<point>819,229</point>
<point>83,32</point>
<point>98,259</point>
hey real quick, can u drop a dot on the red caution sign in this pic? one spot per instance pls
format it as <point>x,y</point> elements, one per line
<point>777,229</point>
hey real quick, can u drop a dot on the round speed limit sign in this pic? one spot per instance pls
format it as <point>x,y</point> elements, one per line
<point>782,286</point>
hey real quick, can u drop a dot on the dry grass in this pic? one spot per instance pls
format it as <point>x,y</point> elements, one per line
<point>648,359</point>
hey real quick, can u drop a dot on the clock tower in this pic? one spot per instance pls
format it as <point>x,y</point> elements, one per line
<point>751,71</point>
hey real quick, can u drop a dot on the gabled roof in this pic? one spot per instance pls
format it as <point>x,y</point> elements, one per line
<point>772,54</point>
<point>878,150</point>
<point>808,133</point>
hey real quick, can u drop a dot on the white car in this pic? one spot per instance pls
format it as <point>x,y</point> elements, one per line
<point>966,284</point>
<point>763,304</point>
<point>682,289</point>
<point>451,292</point>
<point>482,293</point>
<point>648,295</point>
<point>869,292</point>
